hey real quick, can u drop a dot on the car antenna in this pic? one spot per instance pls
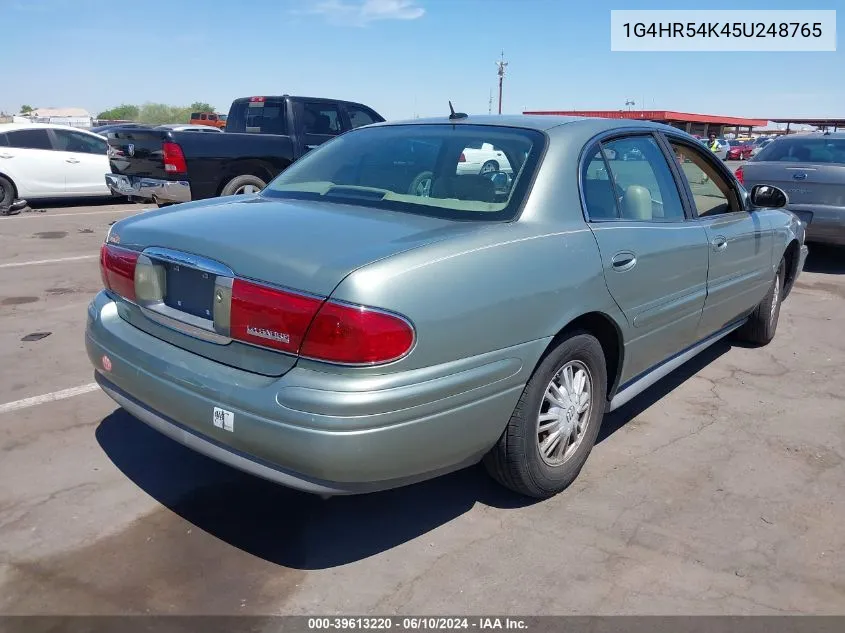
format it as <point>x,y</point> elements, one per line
<point>456,115</point>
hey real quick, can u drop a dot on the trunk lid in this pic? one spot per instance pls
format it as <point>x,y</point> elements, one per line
<point>303,246</point>
<point>138,152</point>
<point>804,183</point>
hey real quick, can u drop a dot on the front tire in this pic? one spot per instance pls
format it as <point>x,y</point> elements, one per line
<point>556,421</point>
<point>7,194</point>
<point>763,323</point>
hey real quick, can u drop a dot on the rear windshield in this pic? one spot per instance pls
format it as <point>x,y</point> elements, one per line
<point>804,150</point>
<point>257,117</point>
<point>463,172</point>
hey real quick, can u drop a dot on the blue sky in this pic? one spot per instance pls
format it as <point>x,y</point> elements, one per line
<point>401,57</point>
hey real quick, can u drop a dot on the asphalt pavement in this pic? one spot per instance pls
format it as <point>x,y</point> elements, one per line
<point>719,490</point>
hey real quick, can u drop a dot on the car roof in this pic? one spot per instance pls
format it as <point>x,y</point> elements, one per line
<point>12,127</point>
<point>829,135</point>
<point>539,122</point>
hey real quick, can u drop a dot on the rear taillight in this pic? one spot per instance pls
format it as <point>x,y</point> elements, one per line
<point>270,317</point>
<point>174,159</point>
<point>316,328</point>
<point>462,159</point>
<point>117,268</point>
<point>356,335</point>
<point>740,176</point>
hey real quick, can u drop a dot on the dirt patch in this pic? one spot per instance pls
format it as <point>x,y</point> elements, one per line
<point>51,235</point>
<point>16,301</point>
<point>160,564</point>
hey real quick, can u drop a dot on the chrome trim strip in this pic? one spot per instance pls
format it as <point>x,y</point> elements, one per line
<point>190,260</point>
<point>661,371</point>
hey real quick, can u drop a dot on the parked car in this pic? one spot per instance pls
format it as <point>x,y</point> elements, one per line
<point>738,150</point>
<point>103,130</point>
<point>181,127</point>
<point>483,159</point>
<point>341,333</point>
<point>263,136</point>
<point>210,119</point>
<point>41,160</point>
<point>758,146</point>
<point>811,170</point>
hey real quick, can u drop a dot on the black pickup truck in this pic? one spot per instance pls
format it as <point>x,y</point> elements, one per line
<point>263,136</point>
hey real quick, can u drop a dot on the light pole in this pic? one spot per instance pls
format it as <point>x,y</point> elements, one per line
<point>630,103</point>
<point>501,64</point>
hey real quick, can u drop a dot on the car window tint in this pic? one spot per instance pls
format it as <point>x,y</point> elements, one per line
<point>69,141</point>
<point>710,191</point>
<point>29,139</point>
<point>258,117</point>
<point>643,180</point>
<point>3,141</point>
<point>359,116</point>
<point>415,169</point>
<point>320,118</point>
<point>805,150</point>
<point>599,201</point>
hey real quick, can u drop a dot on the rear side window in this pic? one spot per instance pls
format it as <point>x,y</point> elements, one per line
<point>29,139</point>
<point>359,116</point>
<point>266,116</point>
<point>599,199</point>
<point>321,118</point>
<point>69,141</point>
<point>3,141</point>
<point>804,150</point>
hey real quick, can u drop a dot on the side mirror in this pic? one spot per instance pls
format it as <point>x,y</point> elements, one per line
<point>768,197</point>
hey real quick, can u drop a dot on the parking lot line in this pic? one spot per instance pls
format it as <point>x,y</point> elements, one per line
<point>48,397</point>
<point>59,260</point>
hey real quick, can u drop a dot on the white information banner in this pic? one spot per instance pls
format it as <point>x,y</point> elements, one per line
<point>723,30</point>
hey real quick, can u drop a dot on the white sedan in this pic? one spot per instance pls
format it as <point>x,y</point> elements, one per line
<point>484,159</point>
<point>51,161</point>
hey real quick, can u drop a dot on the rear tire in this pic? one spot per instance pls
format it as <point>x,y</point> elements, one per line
<point>489,167</point>
<point>525,458</point>
<point>242,185</point>
<point>763,323</point>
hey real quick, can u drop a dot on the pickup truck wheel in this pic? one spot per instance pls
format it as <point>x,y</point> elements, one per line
<point>763,323</point>
<point>421,185</point>
<point>556,421</point>
<point>243,184</point>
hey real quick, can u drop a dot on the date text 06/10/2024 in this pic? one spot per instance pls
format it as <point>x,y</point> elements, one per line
<point>416,623</point>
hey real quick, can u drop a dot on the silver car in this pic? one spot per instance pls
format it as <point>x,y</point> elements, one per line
<point>349,330</point>
<point>810,168</point>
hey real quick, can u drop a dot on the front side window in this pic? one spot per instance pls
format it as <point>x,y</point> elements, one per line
<point>29,139</point>
<point>415,169</point>
<point>69,141</point>
<point>711,192</point>
<point>639,179</point>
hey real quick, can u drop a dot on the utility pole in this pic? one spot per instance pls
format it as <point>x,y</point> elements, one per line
<point>501,64</point>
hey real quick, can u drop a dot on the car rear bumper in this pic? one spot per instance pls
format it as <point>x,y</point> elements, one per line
<point>317,431</point>
<point>823,224</point>
<point>162,191</point>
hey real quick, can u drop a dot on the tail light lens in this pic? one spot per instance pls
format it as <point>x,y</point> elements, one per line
<point>316,328</point>
<point>351,334</point>
<point>270,317</point>
<point>117,268</point>
<point>174,159</point>
<point>740,176</point>
<point>462,159</point>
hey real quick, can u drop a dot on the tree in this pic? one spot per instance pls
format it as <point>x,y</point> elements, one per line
<point>158,113</point>
<point>26,109</point>
<point>123,112</point>
<point>201,106</point>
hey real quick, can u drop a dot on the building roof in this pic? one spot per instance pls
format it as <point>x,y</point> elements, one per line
<point>816,122</point>
<point>60,112</point>
<point>666,116</point>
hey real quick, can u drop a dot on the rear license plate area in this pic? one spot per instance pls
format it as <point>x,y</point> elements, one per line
<point>190,290</point>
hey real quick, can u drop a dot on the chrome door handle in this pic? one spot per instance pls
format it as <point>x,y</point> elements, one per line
<point>719,243</point>
<point>72,161</point>
<point>624,260</point>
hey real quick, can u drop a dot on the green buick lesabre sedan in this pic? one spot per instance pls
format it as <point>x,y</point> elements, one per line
<point>377,315</point>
